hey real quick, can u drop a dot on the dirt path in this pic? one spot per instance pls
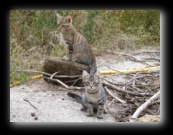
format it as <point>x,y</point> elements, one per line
<point>51,104</point>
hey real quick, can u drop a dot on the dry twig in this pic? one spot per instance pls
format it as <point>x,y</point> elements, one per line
<point>47,74</point>
<point>109,60</point>
<point>25,99</point>
<point>132,58</point>
<point>120,100</point>
<point>146,52</point>
<point>143,106</point>
<point>124,91</point>
<point>64,85</point>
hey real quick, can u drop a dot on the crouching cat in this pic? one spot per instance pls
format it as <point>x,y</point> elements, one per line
<point>78,48</point>
<point>94,97</point>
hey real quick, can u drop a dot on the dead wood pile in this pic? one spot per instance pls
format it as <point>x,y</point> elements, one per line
<point>137,89</point>
<point>139,93</point>
<point>68,72</point>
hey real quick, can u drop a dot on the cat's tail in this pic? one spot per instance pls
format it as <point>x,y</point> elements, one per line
<point>93,69</point>
<point>75,96</point>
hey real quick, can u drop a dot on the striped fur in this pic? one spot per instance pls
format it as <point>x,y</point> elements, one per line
<point>78,48</point>
<point>94,96</point>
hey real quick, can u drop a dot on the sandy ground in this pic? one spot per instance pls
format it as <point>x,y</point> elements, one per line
<point>50,103</point>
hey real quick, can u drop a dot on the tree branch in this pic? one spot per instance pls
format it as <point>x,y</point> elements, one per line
<point>120,100</point>
<point>124,91</point>
<point>143,106</point>
<point>47,74</point>
<point>64,85</point>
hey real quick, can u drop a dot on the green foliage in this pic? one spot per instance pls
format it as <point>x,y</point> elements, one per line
<point>34,35</point>
<point>145,24</point>
<point>17,62</point>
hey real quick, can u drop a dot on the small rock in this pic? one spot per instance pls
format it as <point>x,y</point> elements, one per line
<point>33,114</point>
<point>36,118</point>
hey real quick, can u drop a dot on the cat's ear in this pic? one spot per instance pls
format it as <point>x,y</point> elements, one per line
<point>69,19</point>
<point>58,16</point>
<point>97,74</point>
<point>84,74</point>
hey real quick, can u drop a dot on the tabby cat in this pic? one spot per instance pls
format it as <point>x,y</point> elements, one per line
<point>78,48</point>
<point>94,97</point>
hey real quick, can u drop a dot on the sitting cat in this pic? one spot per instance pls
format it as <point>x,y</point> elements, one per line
<point>94,96</point>
<point>78,48</point>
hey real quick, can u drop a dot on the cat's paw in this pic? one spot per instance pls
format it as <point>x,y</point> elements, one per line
<point>104,111</point>
<point>99,117</point>
<point>82,109</point>
<point>89,115</point>
<point>66,58</point>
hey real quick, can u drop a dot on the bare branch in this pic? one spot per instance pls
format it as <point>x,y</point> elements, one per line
<point>25,99</point>
<point>64,85</point>
<point>143,106</point>
<point>146,52</point>
<point>121,84</point>
<point>109,60</point>
<point>53,75</point>
<point>124,91</point>
<point>132,58</point>
<point>47,74</point>
<point>152,59</point>
<point>74,81</point>
<point>120,100</point>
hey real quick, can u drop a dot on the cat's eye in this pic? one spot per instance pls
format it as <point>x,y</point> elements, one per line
<point>95,83</point>
<point>86,83</point>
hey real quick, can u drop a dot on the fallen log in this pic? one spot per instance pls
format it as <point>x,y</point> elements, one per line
<point>63,67</point>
